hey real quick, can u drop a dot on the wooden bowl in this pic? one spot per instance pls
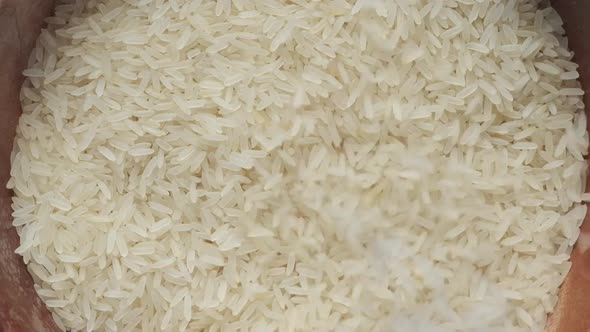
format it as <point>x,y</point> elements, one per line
<point>20,308</point>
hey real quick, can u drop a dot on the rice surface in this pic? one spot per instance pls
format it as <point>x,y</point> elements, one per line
<point>298,165</point>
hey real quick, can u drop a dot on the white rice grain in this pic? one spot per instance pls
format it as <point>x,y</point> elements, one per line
<point>300,165</point>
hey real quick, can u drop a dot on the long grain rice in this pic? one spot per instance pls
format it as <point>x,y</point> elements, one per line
<point>273,165</point>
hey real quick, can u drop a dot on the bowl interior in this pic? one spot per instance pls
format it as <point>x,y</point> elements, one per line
<point>22,310</point>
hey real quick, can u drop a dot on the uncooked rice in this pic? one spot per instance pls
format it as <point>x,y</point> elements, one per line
<point>299,165</point>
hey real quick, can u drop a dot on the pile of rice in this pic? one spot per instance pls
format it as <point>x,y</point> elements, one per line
<point>299,165</point>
